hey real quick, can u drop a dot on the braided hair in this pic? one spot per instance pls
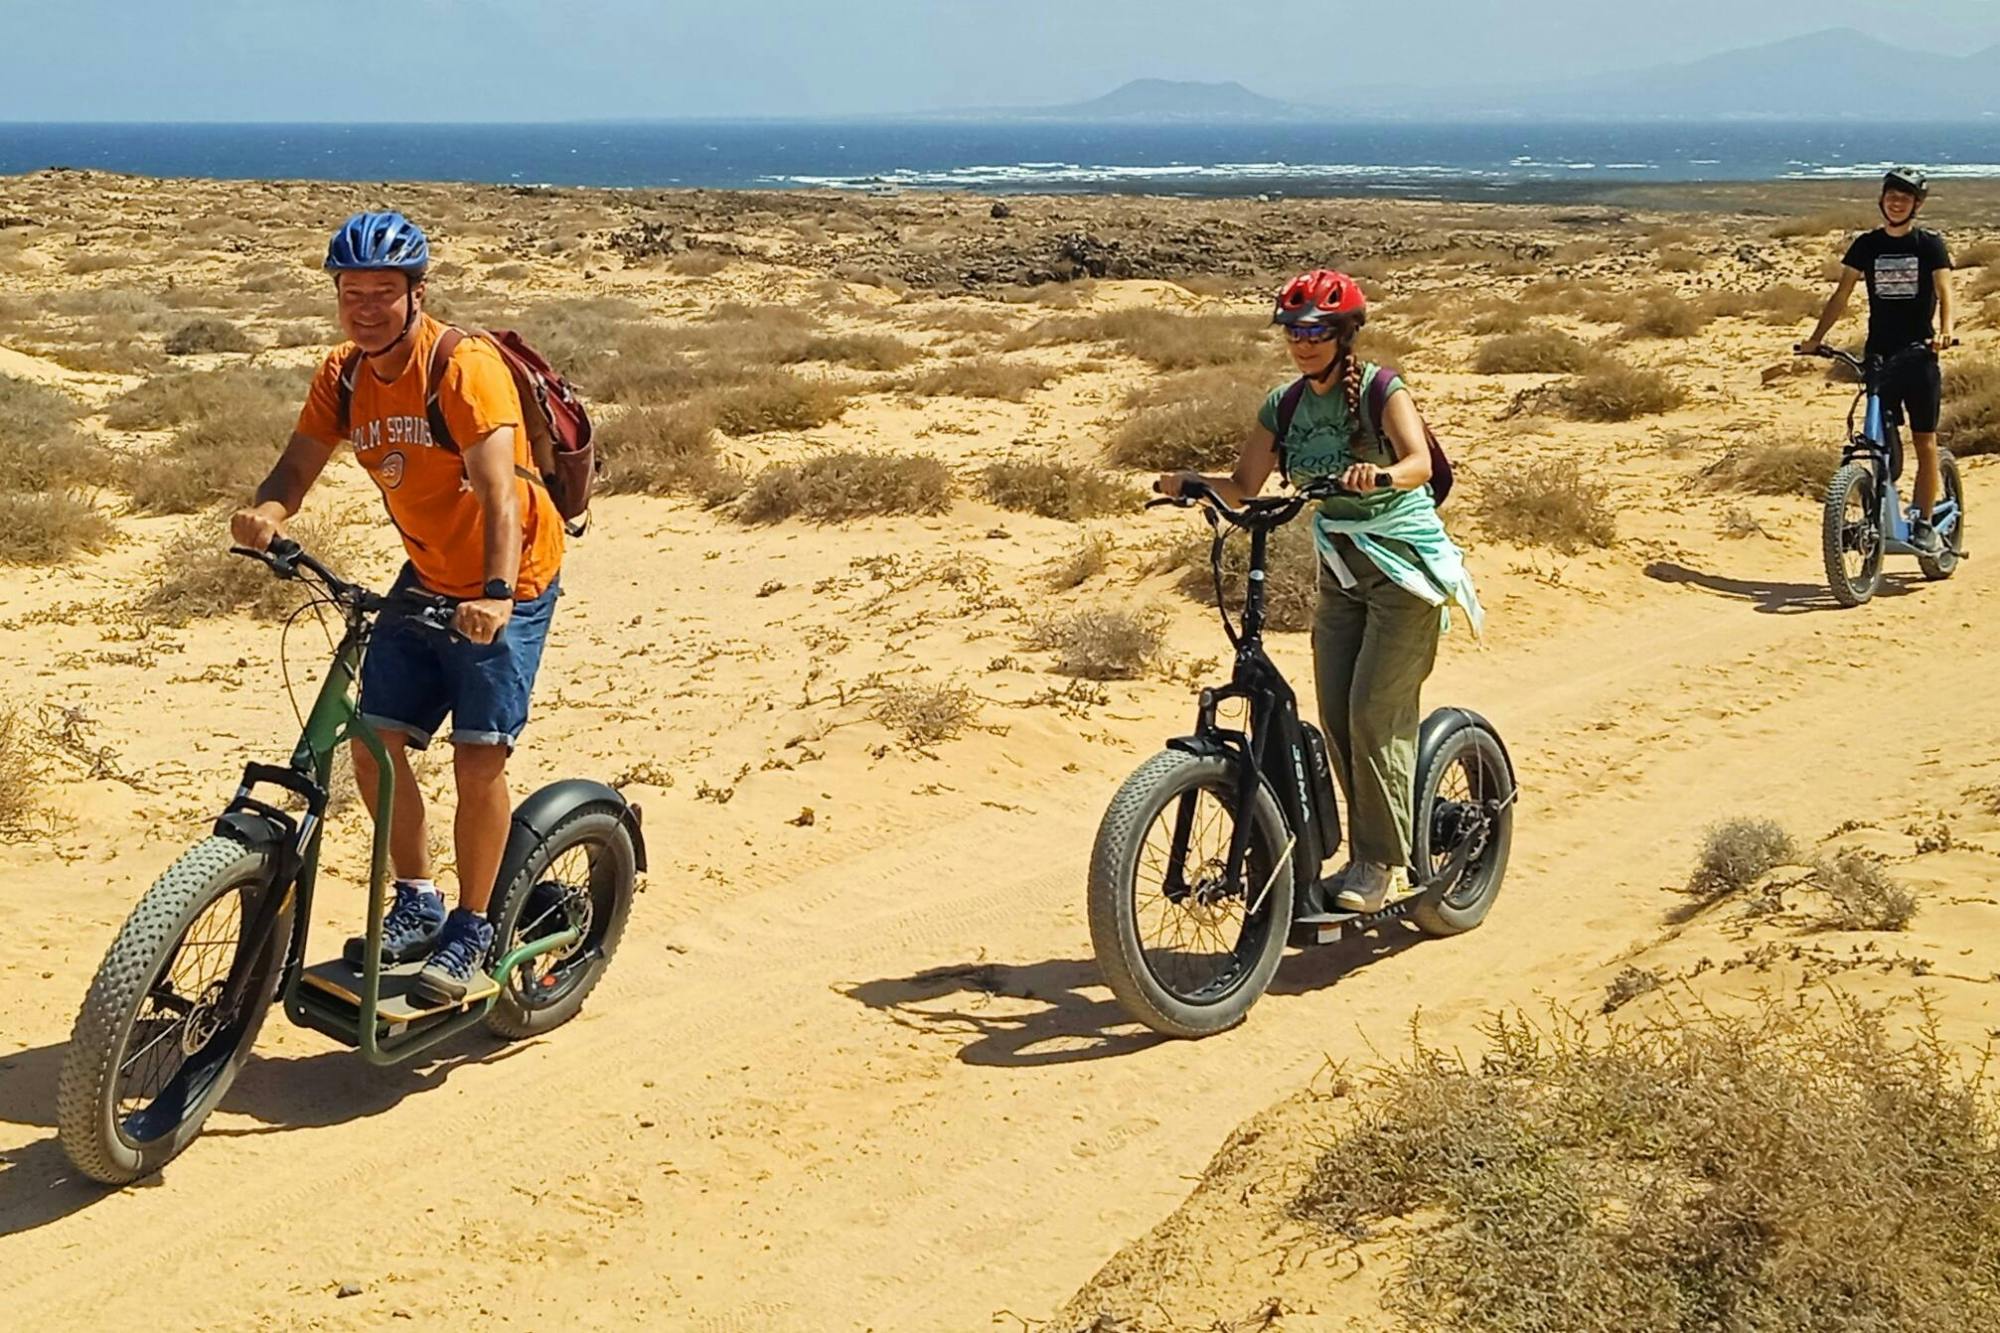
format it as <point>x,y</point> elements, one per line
<point>1350,380</point>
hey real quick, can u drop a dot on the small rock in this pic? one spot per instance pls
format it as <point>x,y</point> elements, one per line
<point>1000,211</point>
<point>348,1289</point>
<point>804,820</point>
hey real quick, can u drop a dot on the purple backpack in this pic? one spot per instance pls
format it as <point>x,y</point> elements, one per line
<point>1374,404</point>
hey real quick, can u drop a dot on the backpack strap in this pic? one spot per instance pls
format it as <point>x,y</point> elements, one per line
<point>344,392</point>
<point>1288,407</point>
<point>1376,401</point>
<point>447,344</point>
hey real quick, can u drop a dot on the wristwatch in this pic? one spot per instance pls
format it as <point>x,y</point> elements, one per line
<point>498,590</point>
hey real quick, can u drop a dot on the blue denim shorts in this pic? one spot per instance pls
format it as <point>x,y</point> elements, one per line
<point>413,676</point>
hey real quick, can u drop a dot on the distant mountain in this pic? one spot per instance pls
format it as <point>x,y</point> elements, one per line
<point>1839,72</point>
<point>1170,99</point>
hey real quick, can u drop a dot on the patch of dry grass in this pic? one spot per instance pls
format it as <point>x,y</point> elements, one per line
<point>1793,1168</point>
<point>1774,467</point>
<point>666,450</point>
<point>1736,853</point>
<point>1971,424</point>
<point>44,449</point>
<point>1781,305</point>
<point>1535,352</point>
<point>1082,562</point>
<point>1861,895</point>
<point>1164,339</point>
<point>777,400</point>
<point>215,459</point>
<point>1667,316</point>
<point>51,527</point>
<point>982,377</point>
<point>183,397</point>
<point>1102,642</point>
<point>1548,503</point>
<point>22,772</point>
<point>1057,490</point>
<point>207,334</point>
<point>1613,391</point>
<point>926,715</point>
<point>199,578</point>
<point>836,487</point>
<point>1195,420</point>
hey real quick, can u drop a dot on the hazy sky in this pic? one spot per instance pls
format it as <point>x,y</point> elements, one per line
<point>528,60</point>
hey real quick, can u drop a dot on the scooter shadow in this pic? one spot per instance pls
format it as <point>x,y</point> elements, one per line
<point>1770,596</point>
<point>39,1186</point>
<point>1059,1011</point>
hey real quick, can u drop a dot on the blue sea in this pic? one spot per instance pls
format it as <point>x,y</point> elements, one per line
<point>1459,161</point>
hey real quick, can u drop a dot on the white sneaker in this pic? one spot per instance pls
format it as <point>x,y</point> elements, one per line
<point>1369,887</point>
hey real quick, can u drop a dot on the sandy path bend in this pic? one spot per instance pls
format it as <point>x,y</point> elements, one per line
<point>888,1093</point>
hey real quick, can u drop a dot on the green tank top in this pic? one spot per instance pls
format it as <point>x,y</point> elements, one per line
<point>1325,440</point>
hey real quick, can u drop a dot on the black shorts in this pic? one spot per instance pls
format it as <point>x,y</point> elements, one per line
<point>1917,387</point>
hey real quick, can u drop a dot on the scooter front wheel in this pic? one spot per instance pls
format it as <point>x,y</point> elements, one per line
<point>1184,950</point>
<point>159,1038</point>
<point>1851,535</point>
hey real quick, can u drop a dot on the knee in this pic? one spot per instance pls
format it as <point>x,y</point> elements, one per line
<point>478,765</point>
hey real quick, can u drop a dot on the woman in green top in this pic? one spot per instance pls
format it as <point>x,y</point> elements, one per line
<point>1386,569</point>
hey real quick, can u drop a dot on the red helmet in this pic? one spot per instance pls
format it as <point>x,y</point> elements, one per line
<point>1321,297</point>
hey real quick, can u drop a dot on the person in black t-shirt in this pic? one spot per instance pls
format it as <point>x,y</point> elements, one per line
<point>1908,272</point>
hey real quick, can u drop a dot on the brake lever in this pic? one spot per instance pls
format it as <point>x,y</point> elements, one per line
<point>283,563</point>
<point>1177,501</point>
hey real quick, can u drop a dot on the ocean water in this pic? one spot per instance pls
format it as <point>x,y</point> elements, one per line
<point>1481,160</point>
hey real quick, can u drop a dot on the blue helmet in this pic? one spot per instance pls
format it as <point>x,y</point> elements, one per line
<point>379,241</point>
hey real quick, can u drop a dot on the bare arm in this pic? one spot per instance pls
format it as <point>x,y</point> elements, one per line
<point>1836,306</point>
<point>1946,306</point>
<point>281,493</point>
<point>489,467</point>
<point>1255,461</point>
<point>1404,426</point>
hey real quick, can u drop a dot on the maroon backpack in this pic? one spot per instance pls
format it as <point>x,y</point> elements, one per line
<point>558,428</point>
<point>1377,402</point>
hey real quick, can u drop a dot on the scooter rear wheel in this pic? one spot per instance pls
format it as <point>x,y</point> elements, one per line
<point>1465,793</point>
<point>1951,489</point>
<point>154,1049</point>
<point>582,874</point>
<point>1185,952</point>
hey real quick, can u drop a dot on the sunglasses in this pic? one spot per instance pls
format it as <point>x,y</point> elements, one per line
<point>1310,333</point>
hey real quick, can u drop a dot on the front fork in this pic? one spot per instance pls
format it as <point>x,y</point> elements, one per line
<point>1249,751</point>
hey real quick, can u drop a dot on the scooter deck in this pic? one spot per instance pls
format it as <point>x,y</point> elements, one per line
<point>1330,926</point>
<point>400,1002</point>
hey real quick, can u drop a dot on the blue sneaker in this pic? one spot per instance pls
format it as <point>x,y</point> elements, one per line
<point>455,964</point>
<point>408,932</point>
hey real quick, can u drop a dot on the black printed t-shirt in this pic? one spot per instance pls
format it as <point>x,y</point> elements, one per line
<point>1902,285</point>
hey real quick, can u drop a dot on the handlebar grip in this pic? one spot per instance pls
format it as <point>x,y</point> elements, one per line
<point>283,548</point>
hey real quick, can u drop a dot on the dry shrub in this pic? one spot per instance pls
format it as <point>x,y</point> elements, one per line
<point>124,356</point>
<point>982,377</point>
<point>924,715</point>
<point>862,351</point>
<point>849,484</point>
<point>187,396</point>
<point>300,333</point>
<point>1861,895</point>
<point>1498,319</point>
<point>1782,305</point>
<point>22,772</point>
<point>1677,259</point>
<point>1081,562</point>
<point>1102,642</point>
<point>1820,223</point>
<point>98,304</point>
<point>84,262</point>
<point>1536,352</point>
<point>50,527</point>
<point>1613,391</point>
<point>200,578</point>
<point>1196,420</point>
<point>1977,255</point>
<point>777,400</point>
<point>509,272</point>
<point>1547,503</point>
<point>1582,299</point>
<point>1291,576</point>
<point>1971,422</point>
<point>207,334</point>
<point>1736,853</point>
<point>1164,339</point>
<point>962,317</point>
<point>1774,467</point>
<point>698,263</point>
<point>666,450</point>
<point>44,449</point>
<point>1056,490</point>
<point>1384,346</point>
<point>1794,1168</point>
<point>214,459</point>
<point>1667,317</point>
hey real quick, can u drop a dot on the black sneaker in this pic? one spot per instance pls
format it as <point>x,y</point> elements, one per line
<point>1924,538</point>
<point>408,932</point>
<point>455,964</point>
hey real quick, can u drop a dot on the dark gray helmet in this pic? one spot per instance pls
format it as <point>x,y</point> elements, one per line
<point>1909,180</point>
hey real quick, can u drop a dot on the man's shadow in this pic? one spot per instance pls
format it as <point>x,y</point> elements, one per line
<point>38,1185</point>
<point>1769,596</point>
<point>1060,1011</point>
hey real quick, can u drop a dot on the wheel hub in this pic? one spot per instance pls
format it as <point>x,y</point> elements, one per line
<point>204,1019</point>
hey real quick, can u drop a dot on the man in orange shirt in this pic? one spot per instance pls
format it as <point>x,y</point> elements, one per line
<point>478,526</point>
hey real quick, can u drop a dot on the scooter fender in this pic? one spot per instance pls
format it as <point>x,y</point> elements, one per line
<point>1445,722</point>
<point>538,816</point>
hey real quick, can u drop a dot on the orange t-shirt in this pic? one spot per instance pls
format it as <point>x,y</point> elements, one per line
<point>424,484</point>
